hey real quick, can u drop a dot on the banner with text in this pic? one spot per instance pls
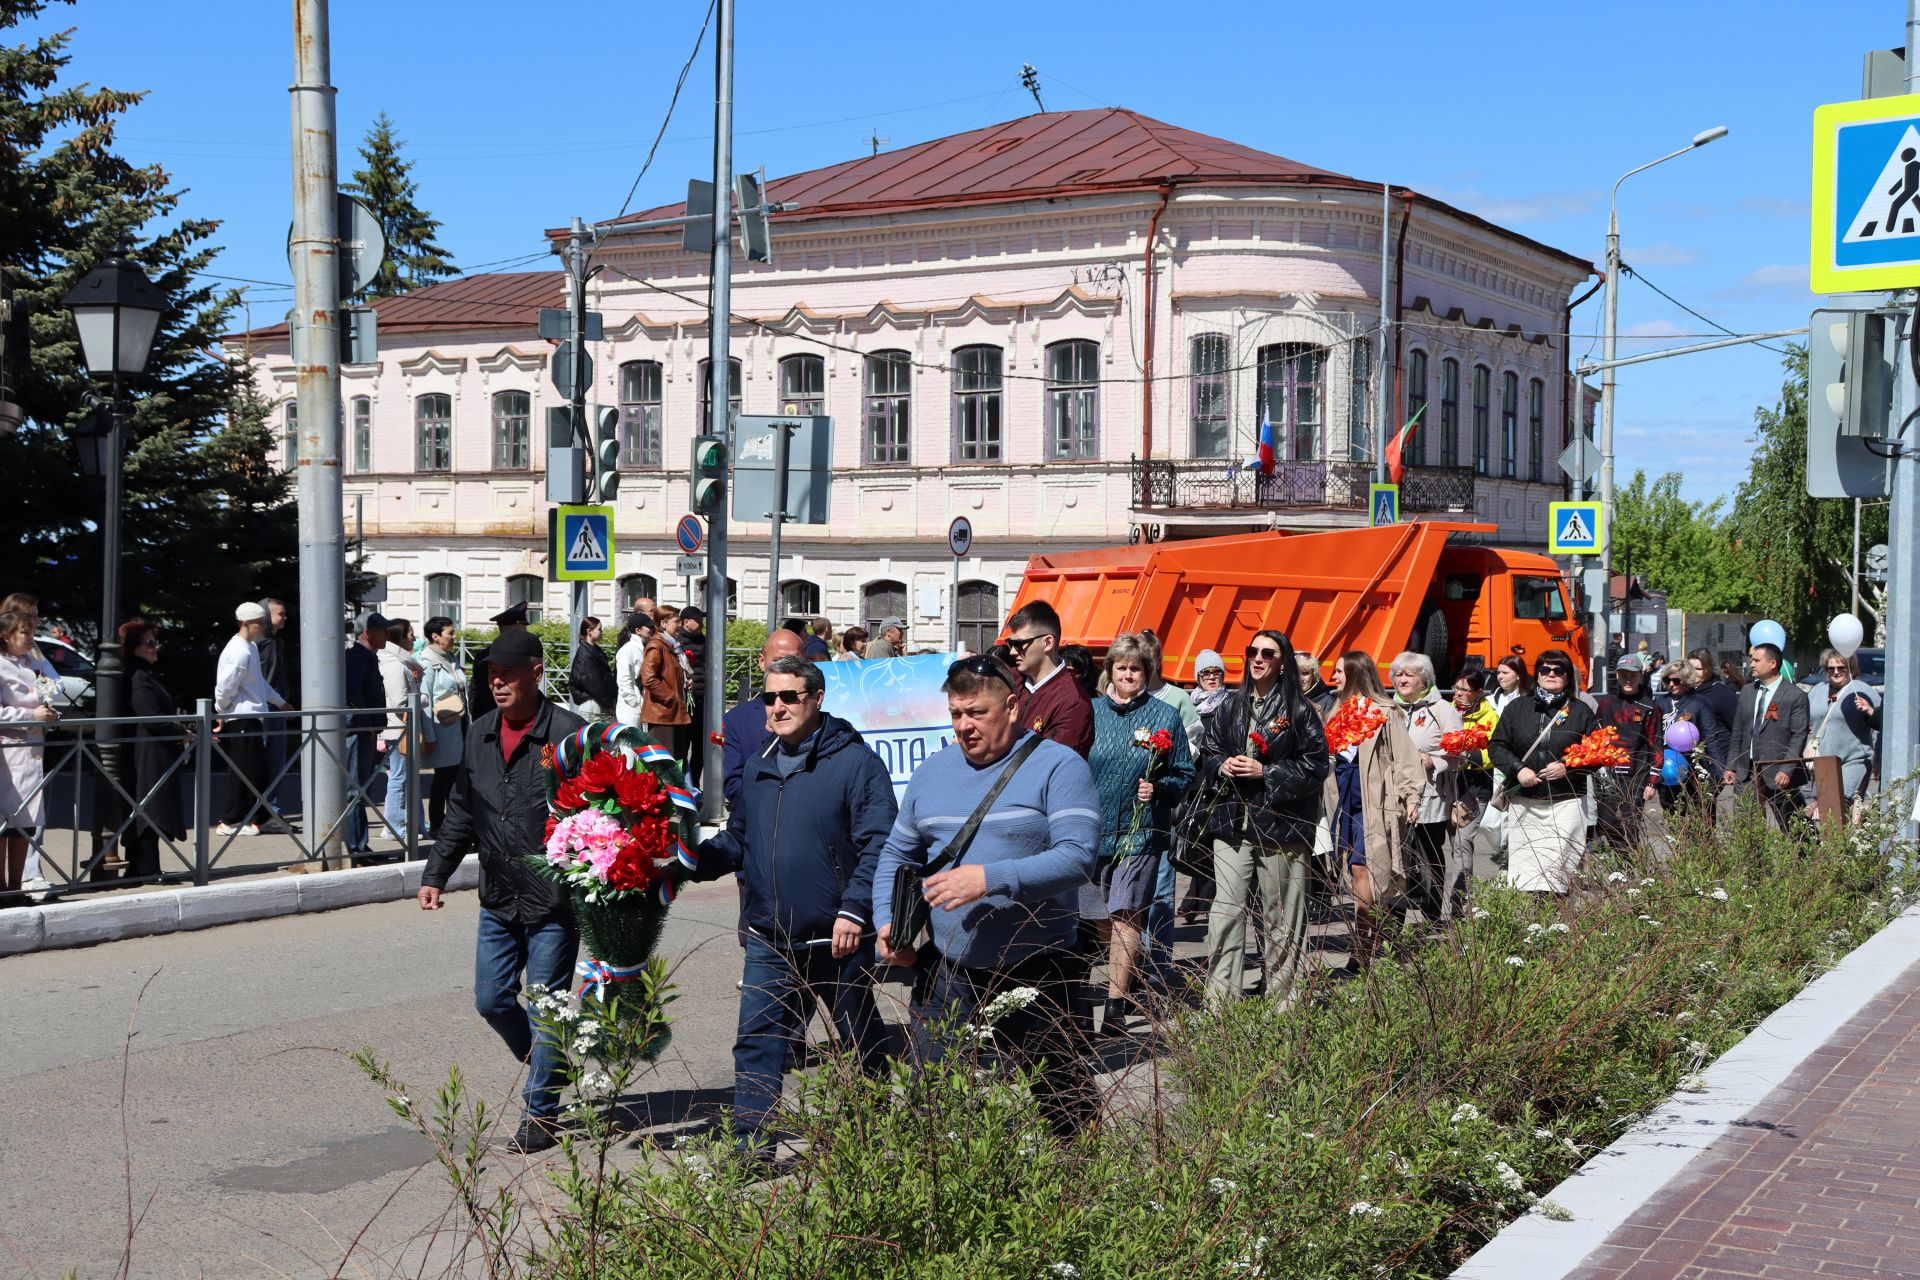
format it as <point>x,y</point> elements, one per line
<point>897,706</point>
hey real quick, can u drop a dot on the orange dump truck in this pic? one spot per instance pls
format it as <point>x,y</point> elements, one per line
<point>1420,586</point>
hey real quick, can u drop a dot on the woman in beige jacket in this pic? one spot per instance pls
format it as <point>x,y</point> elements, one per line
<point>1372,796</point>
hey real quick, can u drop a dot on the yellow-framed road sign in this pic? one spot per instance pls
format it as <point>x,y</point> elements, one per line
<point>1866,195</point>
<point>1574,528</point>
<point>579,543</point>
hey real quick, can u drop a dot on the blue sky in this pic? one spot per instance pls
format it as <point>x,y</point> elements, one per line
<point>1514,111</point>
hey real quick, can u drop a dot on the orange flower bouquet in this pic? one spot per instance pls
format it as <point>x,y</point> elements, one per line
<point>1357,720</point>
<point>1600,749</point>
<point>1467,741</point>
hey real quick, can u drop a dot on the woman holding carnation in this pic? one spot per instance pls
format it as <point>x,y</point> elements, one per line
<point>1141,765</point>
<point>1546,827</point>
<point>1373,795</point>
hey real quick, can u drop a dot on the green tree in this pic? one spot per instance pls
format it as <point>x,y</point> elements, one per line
<point>413,258</point>
<point>207,518</point>
<point>1677,546</point>
<point>1799,550</point>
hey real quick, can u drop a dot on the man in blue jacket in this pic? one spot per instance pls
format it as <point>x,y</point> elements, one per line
<point>814,810</point>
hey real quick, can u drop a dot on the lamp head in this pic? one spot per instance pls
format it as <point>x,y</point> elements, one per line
<point>117,311</point>
<point>1705,136</point>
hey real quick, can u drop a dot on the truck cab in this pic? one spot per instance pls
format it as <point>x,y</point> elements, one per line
<point>1487,603</point>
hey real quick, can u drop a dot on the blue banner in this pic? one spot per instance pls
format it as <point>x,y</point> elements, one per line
<point>897,706</point>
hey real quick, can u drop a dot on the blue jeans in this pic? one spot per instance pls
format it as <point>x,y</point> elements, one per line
<point>400,808</point>
<point>777,992</point>
<point>362,760</point>
<point>1160,920</point>
<point>547,953</point>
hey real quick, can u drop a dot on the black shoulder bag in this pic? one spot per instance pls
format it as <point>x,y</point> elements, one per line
<point>912,917</point>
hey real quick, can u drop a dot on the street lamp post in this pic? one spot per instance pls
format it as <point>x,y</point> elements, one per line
<point>1602,621</point>
<point>117,311</point>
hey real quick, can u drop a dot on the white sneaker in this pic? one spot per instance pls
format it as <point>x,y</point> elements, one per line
<point>36,888</point>
<point>249,830</point>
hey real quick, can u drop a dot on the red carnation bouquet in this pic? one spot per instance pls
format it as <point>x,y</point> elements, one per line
<point>1600,749</point>
<point>1156,743</point>
<point>1467,741</point>
<point>1356,720</point>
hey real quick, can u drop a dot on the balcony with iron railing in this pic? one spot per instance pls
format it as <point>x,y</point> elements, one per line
<point>1200,487</point>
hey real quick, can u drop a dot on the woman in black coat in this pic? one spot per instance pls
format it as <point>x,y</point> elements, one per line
<point>156,747</point>
<point>590,682</point>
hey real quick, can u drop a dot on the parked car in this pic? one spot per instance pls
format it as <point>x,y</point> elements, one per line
<point>75,670</point>
<point>1873,666</point>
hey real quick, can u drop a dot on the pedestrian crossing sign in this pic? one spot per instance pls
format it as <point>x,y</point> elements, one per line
<point>1576,528</point>
<point>1383,505</point>
<point>1866,195</point>
<point>579,543</point>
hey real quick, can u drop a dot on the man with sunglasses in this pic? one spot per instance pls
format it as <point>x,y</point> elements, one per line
<point>1056,706</point>
<point>815,807</point>
<point>743,730</point>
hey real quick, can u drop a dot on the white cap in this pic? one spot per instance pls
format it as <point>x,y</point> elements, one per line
<point>251,611</point>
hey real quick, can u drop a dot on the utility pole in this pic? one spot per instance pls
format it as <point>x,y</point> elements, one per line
<point>315,336</point>
<point>1902,617</point>
<point>579,240</point>
<point>719,413</point>
<point>1383,432</point>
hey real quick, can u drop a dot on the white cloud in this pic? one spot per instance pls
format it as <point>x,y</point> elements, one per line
<point>1660,255</point>
<point>1506,210</point>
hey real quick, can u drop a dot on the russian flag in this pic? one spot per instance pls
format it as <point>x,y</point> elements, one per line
<point>1266,443</point>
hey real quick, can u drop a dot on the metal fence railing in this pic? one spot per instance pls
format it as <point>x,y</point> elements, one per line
<point>740,667</point>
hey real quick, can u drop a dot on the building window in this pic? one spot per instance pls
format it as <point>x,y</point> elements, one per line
<point>443,596</point>
<point>640,444</point>
<point>1073,399</point>
<point>800,600</point>
<point>803,386</point>
<point>362,433</point>
<point>512,431</point>
<point>1449,413</point>
<point>979,615</point>
<point>880,601</point>
<point>1360,416</point>
<point>292,447</point>
<point>706,390</point>
<point>636,587</point>
<point>1414,451</point>
<point>1510,425</point>
<point>529,590</point>
<point>976,404</point>
<point>1536,426</point>
<point>889,387</point>
<point>1289,397</point>
<point>1212,432</point>
<point>433,433</point>
<point>1482,396</point>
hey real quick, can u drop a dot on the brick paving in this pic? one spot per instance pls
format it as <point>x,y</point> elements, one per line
<point>1821,1180</point>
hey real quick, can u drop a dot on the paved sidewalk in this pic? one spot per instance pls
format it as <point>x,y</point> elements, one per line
<point>1822,1179</point>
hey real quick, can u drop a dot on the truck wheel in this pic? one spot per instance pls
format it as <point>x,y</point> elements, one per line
<point>1431,638</point>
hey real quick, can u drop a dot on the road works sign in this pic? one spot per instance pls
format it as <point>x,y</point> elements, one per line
<point>579,543</point>
<point>1575,528</point>
<point>1866,195</point>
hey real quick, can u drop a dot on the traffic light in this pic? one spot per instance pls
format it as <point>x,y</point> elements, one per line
<point>1850,374</point>
<point>709,479</point>
<point>606,451</point>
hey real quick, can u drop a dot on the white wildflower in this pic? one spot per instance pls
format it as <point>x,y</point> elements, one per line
<point>1532,929</point>
<point>1156,1206</point>
<point>1221,1186</point>
<point>1706,966</point>
<point>1066,1270</point>
<point>1718,895</point>
<point>1364,1209</point>
<point>1633,893</point>
<point>1464,1112</point>
<point>1479,913</point>
<point>1559,926</point>
<point>1650,920</point>
<point>1006,1002</point>
<point>1647,882</point>
<point>596,1081</point>
<point>1698,1048</point>
<point>1553,1211</point>
<point>1695,1083</point>
<point>1685,1015</point>
<point>1570,1145</point>
<point>1616,877</point>
<point>1509,1178</point>
<point>1515,961</point>
<point>1543,1134</point>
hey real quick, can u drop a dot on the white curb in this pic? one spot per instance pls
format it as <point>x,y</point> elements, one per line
<point>134,915</point>
<point>1603,1193</point>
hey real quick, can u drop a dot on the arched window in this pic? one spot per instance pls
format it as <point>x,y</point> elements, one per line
<point>292,449</point>
<point>1290,397</point>
<point>800,600</point>
<point>888,403</point>
<point>1449,412</point>
<point>1414,451</point>
<point>1536,427</point>
<point>443,596</point>
<point>530,590</point>
<point>362,433</point>
<point>1482,396</point>
<point>1210,380</point>
<point>1510,424</point>
<point>706,390</point>
<point>636,587</point>
<point>979,615</point>
<point>977,384</point>
<point>880,601</point>
<point>1073,399</point>
<point>640,443</point>
<point>512,431</point>
<point>803,386</point>
<point>433,433</point>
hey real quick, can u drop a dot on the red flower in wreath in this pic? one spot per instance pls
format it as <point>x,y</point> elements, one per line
<point>638,793</point>
<point>568,796</point>
<point>601,773</point>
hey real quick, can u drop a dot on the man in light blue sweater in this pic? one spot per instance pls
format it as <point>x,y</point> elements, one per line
<point>1004,919</point>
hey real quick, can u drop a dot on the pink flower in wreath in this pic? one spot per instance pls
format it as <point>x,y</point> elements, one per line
<point>589,836</point>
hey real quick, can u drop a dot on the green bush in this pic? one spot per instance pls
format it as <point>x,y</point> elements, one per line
<point>1382,1126</point>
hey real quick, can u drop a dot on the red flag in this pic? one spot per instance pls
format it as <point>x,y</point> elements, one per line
<point>1396,466</point>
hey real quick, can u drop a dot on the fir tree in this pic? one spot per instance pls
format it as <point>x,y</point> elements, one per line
<point>387,187</point>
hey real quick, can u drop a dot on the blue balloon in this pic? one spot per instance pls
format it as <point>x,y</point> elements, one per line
<point>1673,767</point>
<point>1767,631</point>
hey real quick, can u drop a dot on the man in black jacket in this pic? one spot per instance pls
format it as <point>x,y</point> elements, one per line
<point>814,811</point>
<point>368,692</point>
<point>499,810</point>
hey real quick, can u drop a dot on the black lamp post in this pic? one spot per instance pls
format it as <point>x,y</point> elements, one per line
<point>117,311</point>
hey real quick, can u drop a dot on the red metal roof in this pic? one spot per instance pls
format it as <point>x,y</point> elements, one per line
<point>503,300</point>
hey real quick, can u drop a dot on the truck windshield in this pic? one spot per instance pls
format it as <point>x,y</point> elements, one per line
<point>1539,599</point>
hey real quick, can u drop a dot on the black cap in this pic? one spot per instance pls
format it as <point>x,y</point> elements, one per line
<point>514,649</point>
<point>692,613</point>
<point>374,619</point>
<point>511,616</point>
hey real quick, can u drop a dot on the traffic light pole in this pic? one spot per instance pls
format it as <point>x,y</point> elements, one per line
<point>1901,735</point>
<point>719,413</point>
<point>578,242</point>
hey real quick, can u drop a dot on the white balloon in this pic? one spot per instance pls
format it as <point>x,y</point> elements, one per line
<point>1845,633</point>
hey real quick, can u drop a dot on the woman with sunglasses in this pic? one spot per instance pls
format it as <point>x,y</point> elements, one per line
<point>1267,749</point>
<point>1546,822</point>
<point>1842,711</point>
<point>1373,797</point>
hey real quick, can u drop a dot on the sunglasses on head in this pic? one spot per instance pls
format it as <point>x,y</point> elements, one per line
<point>981,664</point>
<point>787,697</point>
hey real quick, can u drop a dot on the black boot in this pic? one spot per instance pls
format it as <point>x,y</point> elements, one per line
<point>1114,1021</point>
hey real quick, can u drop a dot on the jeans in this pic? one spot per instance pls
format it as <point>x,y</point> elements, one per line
<point>547,953</point>
<point>400,807</point>
<point>778,988</point>
<point>362,760</point>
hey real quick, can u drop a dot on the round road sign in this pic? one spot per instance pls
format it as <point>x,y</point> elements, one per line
<point>688,534</point>
<point>960,536</point>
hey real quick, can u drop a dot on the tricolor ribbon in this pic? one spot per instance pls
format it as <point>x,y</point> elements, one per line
<point>597,974</point>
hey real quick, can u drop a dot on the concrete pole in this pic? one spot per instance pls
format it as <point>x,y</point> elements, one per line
<point>1901,734</point>
<point>719,420</point>
<point>577,243</point>
<point>315,332</point>
<point>1383,430</point>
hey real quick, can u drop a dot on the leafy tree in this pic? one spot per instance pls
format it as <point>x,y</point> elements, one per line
<point>207,520</point>
<point>413,259</point>
<point>1677,546</point>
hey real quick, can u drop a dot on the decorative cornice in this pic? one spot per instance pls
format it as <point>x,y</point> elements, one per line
<point>512,358</point>
<point>432,361</point>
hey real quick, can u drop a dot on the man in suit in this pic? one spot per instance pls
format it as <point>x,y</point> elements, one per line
<point>1769,724</point>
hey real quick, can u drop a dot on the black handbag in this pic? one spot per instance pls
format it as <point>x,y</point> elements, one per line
<point>912,917</point>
